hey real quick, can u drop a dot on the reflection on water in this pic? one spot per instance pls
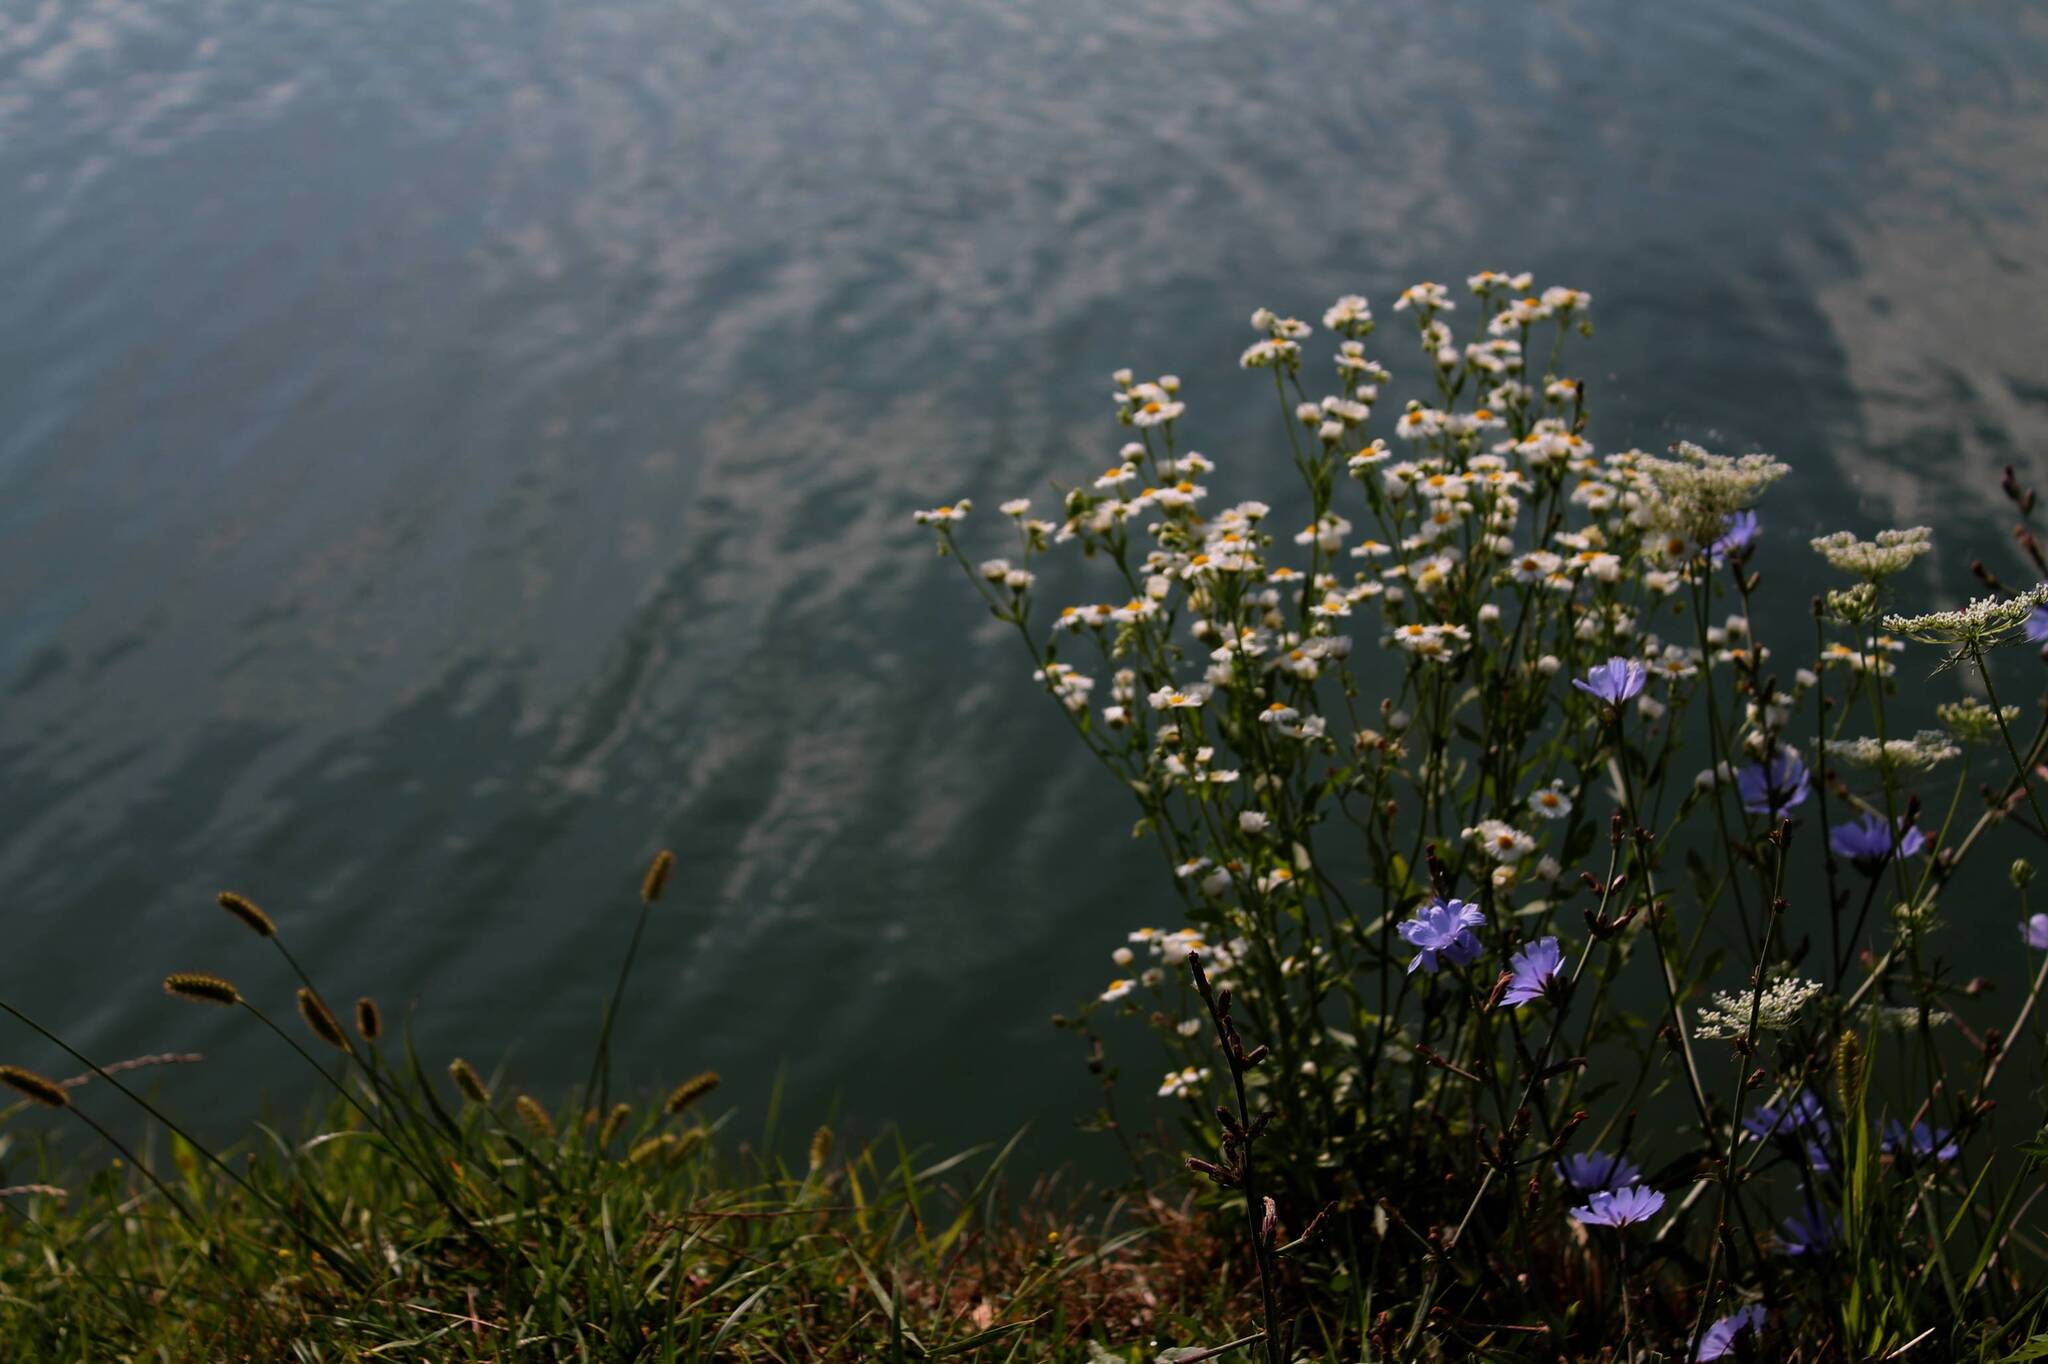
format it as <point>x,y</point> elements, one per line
<point>447,451</point>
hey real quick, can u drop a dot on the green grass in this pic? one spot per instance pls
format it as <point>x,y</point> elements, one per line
<point>424,1217</point>
<point>543,1235</point>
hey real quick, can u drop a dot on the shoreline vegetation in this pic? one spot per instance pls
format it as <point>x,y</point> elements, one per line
<point>425,1217</point>
<point>1561,971</point>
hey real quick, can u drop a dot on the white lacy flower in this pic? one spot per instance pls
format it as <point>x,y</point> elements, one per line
<point>1890,552</point>
<point>1924,750</point>
<point>1983,624</point>
<point>1776,1009</point>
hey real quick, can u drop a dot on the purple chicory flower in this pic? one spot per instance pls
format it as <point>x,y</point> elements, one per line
<point>1738,532</point>
<point>1868,842</point>
<point>1719,1341</point>
<point>2036,626</point>
<point>2035,931</point>
<point>1921,1143</point>
<point>1597,1172</point>
<point>1614,681</point>
<point>1535,970</point>
<point>1803,1112</point>
<point>1810,1232</point>
<point>1620,1207</point>
<point>1774,787</point>
<point>1443,930</point>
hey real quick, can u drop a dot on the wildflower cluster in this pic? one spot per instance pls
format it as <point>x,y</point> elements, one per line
<point>1387,726</point>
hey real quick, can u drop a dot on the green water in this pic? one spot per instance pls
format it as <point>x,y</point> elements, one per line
<point>448,451</point>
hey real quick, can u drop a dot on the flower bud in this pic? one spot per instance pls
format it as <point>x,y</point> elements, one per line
<point>2022,873</point>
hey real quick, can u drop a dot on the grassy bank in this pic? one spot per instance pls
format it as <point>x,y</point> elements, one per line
<point>433,1214</point>
<point>525,1234</point>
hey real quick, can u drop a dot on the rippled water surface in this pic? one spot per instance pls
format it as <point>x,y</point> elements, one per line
<point>449,450</point>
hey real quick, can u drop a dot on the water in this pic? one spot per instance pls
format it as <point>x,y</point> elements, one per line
<point>448,451</point>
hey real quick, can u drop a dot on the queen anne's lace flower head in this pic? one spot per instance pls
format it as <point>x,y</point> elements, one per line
<point>1973,722</point>
<point>1926,749</point>
<point>1695,495</point>
<point>1873,560</point>
<point>1967,633</point>
<point>1777,1009</point>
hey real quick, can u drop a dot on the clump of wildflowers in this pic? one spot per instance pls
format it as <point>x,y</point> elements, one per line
<point>1343,823</point>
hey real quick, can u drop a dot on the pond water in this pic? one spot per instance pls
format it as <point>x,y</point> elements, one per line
<point>450,450</point>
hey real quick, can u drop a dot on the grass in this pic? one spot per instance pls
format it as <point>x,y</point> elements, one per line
<point>664,1242</point>
<point>423,1217</point>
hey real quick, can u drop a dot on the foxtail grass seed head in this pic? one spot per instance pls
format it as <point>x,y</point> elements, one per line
<point>202,988</point>
<point>39,1088</point>
<point>245,909</point>
<point>653,1149</point>
<point>468,1081</point>
<point>369,1019</point>
<point>821,1147</point>
<point>535,1115</point>
<point>1849,1073</point>
<point>320,1020</point>
<point>686,1142</point>
<point>656,880</point>
<point>691,1090</point>
<point>614,1122</point>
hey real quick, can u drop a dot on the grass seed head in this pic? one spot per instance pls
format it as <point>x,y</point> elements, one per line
<point>201,988</point>
<point>245,909</point>
<point>653,1149</point>
<point>369,1019</point>
<point>468,1081</point>
<point>821,1147</point>
<point>614,1122</point>
<point>39,1088</point>
<point>535,1115</point>
<point>656,880</point>
<point>320,1020</point>
<point>691,1090</point>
